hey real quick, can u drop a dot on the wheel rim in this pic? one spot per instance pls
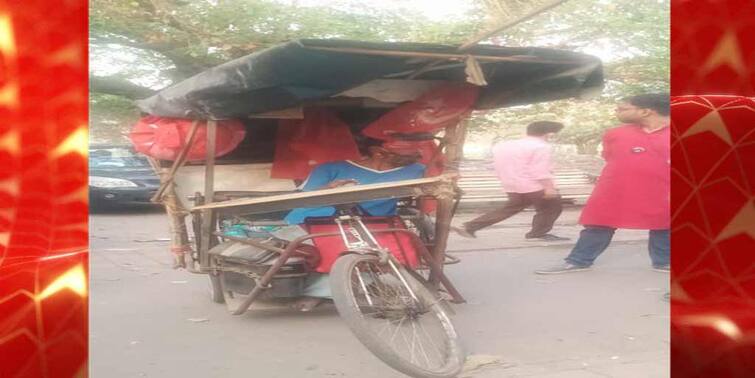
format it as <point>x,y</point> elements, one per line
<point>416,330</point>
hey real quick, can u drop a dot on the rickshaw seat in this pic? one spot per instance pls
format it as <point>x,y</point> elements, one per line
<point>400,244</point>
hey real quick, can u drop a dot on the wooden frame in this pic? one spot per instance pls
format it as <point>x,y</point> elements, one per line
<point>442,188</point>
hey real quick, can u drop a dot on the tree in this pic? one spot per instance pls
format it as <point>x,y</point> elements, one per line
<point>182,38</point>
<point>634,36</point>
<point>140,46</point>
<point>584,121</point>
<point>634,33</point>
<point>110,116</point>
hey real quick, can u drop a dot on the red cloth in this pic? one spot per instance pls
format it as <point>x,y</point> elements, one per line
<point>713,241</point>
<point>164,138</point>
<point>712,46</point>
<point>320,137</point>
<point>437,109</point>
<point>441,107</point>
<point>331,247</point>
<point>633,190</point>
<point>44,263</point>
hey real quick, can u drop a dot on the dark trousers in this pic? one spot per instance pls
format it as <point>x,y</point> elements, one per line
<point>593,240</point>
<point>547,211</point>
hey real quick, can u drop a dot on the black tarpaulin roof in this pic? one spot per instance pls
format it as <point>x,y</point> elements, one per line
<point>303,71</point>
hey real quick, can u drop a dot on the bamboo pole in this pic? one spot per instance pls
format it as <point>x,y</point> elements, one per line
<point>166,195</point>
<point>208,216</point>
<point>454,142</point>
<point>442,56</point>
<point>178,163</point>
<point>443,216</point>
<point>180,248</point>
<point>179,238</point>
<point>476,39</point>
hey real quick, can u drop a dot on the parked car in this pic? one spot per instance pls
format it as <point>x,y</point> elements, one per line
<point>118,176</point>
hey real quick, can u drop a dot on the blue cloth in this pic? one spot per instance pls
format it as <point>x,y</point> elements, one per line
<point>344,170</point>
<point>593,240</point>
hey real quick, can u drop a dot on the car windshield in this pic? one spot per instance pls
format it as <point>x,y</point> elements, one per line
<point>115,158</point>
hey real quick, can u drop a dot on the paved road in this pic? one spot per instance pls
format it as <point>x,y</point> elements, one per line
<point>148,320</point>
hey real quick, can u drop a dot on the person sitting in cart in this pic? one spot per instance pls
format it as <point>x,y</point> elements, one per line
<point>385,162</point>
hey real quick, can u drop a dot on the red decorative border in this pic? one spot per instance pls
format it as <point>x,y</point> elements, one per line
<point>43,239</point>
<point>712,47</point>
<point>43,189</point>
<point>713,188</point>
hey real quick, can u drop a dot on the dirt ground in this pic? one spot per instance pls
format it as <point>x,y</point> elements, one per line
<point>148,320</point>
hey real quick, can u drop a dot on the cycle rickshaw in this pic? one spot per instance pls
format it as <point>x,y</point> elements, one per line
<point>387,280</point>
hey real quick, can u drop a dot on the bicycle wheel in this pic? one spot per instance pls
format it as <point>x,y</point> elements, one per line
<point>414,336</point>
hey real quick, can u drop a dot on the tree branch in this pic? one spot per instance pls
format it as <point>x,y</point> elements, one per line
<point>115,85</point>
<point>123,41</point>
<point>185,64</point>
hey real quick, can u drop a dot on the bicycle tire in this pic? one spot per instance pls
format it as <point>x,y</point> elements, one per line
<point>346,302</point>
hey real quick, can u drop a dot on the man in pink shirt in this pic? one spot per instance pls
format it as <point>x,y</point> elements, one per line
<point>524,167</point>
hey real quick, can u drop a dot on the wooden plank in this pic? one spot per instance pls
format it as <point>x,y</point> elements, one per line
<point>496,183</point>
<point>493,174</point>
<point>288,113</point>
<point>208,219</point>
<point>209,170</point>
<point>324,197</point>
<point>422,54</point>
<point>504,198</point>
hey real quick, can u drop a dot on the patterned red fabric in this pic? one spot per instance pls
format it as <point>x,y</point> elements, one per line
<point>713,290</point>
<point>43,189</point>
<point>436,110</point>
<point>300,145</point>
<point>713,47</point>
<point>433,111</point>
<point>713,236</point>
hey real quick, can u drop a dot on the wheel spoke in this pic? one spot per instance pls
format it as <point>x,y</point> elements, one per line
<point>420,345</point>
<point>438,350</point>
<point>397,311</point>
<point>398,328</point>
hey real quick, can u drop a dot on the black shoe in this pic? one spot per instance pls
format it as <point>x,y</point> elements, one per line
<point>547,237</point>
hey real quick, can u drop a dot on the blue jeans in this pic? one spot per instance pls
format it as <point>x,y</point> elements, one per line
<point>593,240</point>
